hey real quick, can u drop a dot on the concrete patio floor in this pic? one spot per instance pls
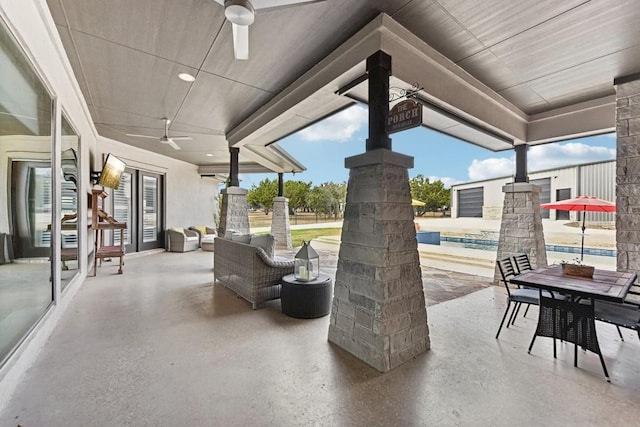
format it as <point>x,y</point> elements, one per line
<point>161,345</point>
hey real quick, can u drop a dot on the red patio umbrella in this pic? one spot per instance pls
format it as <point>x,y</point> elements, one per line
<point>583,204</point>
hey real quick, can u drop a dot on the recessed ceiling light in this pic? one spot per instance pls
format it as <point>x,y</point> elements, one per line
<point>186,77</point>
<point>209,155</point>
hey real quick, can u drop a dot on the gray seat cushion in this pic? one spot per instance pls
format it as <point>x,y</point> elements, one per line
<point>265,241</point>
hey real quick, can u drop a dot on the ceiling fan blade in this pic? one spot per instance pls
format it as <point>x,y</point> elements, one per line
<point>266,6</point>
<point>181,138</point>
<point>241,41</point>
<point>173,144</point>
<point>142,136</point>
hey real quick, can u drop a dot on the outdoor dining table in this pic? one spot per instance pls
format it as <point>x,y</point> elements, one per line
<point>567,311</point>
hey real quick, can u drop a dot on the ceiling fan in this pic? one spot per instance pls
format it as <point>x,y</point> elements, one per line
<point>165,139</point>
<point>241,14</point>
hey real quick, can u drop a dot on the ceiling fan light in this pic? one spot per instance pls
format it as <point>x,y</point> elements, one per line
<point>239,12</point>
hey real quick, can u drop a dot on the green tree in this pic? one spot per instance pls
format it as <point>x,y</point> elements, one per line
<point>262,195</point>
<point>328,198</point>
<point>433,194</point>
<point>297,192</point>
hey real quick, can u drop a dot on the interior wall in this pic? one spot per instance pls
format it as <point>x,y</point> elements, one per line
<point>189,198</point>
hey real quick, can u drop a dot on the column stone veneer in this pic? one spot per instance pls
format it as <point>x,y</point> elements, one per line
<point>378,312</point>
<point>280,225</point>
<point>521,227</point>
<point>234,214</point>
<point>628,173</point>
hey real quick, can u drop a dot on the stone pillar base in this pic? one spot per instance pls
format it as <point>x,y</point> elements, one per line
<point>280,225</point>
<point>378,312</point>
<point>234,214</point>
<point>628,173</point>
<point>521,227</point>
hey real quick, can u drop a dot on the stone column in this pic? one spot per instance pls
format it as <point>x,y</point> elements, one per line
<point>628,172</point>
<point>234,214</point>
<point>280,225</point>
<point>521,227</point>
<point>378,312</point>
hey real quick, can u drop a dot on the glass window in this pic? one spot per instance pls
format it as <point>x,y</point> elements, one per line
<point>121,206</point>
<point>26,288</point>
<point>150,206</point>
<point>69,147</point>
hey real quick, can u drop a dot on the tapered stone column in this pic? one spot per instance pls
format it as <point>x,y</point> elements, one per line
<point>628,173</point>
<point>521,227</point>
<point>280,225</point>
<point>378,312</point>
<point>234,214</point>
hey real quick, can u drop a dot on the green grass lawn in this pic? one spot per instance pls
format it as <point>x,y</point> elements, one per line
<point>297,236</point>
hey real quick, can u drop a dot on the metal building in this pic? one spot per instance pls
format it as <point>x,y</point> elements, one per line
<point>484,199</point>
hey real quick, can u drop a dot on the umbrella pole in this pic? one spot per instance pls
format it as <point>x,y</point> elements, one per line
<point>584,214</point>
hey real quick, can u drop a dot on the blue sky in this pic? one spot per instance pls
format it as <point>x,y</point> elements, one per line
<point>323,147</point>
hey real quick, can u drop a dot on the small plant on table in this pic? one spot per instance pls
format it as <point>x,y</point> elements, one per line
<point>576,268</point>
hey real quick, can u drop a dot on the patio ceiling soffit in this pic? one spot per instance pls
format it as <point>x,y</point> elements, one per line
<point>446,87</point>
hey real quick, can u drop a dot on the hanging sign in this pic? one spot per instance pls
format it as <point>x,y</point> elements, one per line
<point>404,115</point>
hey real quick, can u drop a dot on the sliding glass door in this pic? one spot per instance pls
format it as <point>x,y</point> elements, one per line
<point>121,209</point>
<point>139,201</point>
<point>27,282</point>
<point>151,207</point>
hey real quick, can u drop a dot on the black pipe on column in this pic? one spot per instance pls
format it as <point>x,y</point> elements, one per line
<point>280,184</point>
<point>521,163</point>
<point>233,167</point>
<point>379,70</point>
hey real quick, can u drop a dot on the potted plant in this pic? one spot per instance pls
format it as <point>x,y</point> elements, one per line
<point>576,268</point>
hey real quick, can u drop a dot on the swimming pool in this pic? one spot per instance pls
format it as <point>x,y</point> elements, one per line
<point>492,245</point>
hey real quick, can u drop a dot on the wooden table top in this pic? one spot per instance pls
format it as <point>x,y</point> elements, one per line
<point>605,284</point>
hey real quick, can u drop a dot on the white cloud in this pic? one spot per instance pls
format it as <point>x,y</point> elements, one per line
<point>541,157</point>
<point>446,180</point>
<point>339,127</point>
<point>490,168</point>
<point>551,156</point>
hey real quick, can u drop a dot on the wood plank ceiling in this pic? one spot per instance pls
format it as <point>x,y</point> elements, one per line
<point>537,55</point>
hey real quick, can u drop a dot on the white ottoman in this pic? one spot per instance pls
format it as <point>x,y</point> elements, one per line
<point>207,244</point>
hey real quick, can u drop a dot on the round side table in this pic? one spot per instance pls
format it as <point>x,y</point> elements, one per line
<point>306,300</point>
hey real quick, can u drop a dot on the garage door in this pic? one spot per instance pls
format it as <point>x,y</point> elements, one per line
<point>470,202</point>
<point>545,194</point>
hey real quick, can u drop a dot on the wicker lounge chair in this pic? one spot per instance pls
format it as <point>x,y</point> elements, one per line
<point>205,234</point>
<point>181,240</point>
<point>249,271</point>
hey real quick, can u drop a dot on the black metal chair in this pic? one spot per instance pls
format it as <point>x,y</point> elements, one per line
<point>517,296</point>
<point>626,314</point>
<point>522,263</point>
